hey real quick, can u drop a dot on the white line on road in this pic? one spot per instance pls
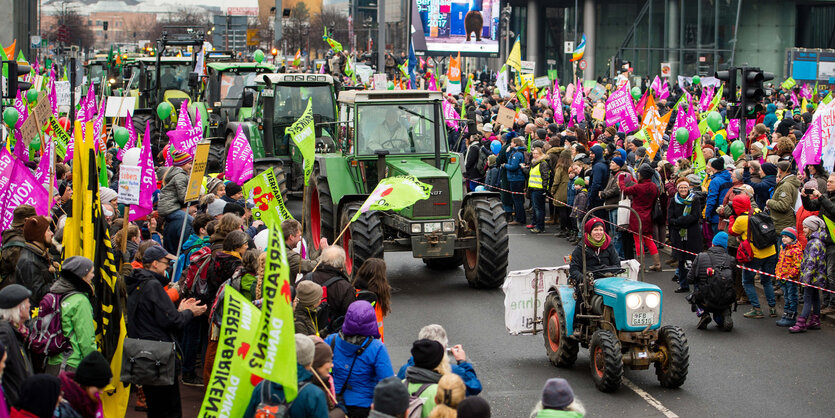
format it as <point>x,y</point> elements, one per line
<point>655,403</point>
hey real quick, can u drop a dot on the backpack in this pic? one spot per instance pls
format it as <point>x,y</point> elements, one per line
<point>196,284</point>
<point>46,336</point>
<point>718,291</point>
<point>761,231</point>
<point>416,403</point>
<point>325,315</point>
<point>267,409</point>
<point>481,164</point>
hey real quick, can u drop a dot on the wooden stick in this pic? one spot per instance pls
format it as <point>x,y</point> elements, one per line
<point>125,222</point>
<point>335,240</point>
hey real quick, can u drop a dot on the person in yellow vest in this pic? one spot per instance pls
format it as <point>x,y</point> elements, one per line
<point>537,185</point>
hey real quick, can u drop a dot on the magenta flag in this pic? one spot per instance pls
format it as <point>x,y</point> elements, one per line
<point>642,103</point>
<point>90,104</point>
<point>22,109</point>
<point>692,124</point>
<point>656,84</point>
<point>806,92</point>
<point>556,103</point>
<point>186,136</point>
<point>98,125</point>
<point>664,91</point>
<point>131,139</point>
<point>183,120</point>
<point>43,175</point>
<point>621,109</point>
<point>149,179</point>
<point>677,151</point>
<point>704,101</point>
<point>450,114</point>
<point>53,95</point>
<point>733,129</point>
<point>432,85</point>
<point>239,166</point>
<point>21,150</point>
<point>578,112</point>
<point>19,187</point>
<point>808,151</point>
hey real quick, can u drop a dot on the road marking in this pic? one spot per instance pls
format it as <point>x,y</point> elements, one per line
<point>655,403</point>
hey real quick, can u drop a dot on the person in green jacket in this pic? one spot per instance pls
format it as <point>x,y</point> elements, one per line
<point>77,321</point>
<point>558,401</point>
<point>431,364</point>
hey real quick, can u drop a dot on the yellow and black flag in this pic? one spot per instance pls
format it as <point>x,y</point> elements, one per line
<point>86,234</point>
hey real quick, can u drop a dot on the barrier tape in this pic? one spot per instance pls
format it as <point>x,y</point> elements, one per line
<point>654,240</point>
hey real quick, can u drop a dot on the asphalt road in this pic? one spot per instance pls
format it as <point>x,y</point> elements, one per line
<point>758,369</point>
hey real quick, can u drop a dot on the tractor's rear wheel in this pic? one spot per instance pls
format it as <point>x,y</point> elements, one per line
<point>606,361</point>
<point>672,371</point>
<point>140,121</point>
<point>216,162</point>
<point>562,351</point>
<point>363,239</point>
<point>319,217</point>
<point>486,265</point>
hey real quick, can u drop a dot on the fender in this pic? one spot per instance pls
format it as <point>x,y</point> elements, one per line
<point>569,306</point>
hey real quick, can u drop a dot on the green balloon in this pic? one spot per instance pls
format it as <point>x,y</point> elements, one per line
<point>258,55</point>
<point>164,110</point>
<point>682,135</point>
<point>35,145</point>
<point>562,89</point>
<point>121,136</point>
<point>737,149</point>
<point>636,92</point>
<point>32,96</point>
<point>391,85</point>
<point>714,121</point>
<point>697,80</point>
<point>10,116</point>
<point>720,142</point>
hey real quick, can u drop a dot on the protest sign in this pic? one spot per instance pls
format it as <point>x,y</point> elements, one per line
<point>505,117</point>
<point>265,193</point>
<point>129,184</point>
<point>119,106</point>
<point>198,168</point>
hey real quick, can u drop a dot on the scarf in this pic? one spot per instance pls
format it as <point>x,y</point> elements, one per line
<point>687,202</point>
<point>598,245</point>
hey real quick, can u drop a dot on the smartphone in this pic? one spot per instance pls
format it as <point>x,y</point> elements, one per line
<point>808,191</point>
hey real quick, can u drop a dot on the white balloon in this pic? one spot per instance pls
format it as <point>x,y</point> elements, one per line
<point>131,157</point>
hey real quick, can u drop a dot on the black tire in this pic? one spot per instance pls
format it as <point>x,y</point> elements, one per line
<point>486,266</point>
<point>157,142</point>
<point>605,360</point>
<point>447,263</point>
<point>727,320</point>
<point>562,351</point>
<point>363,239</point>
<point>319,220</point>
<point>216,162</point>
<point>672,372</point>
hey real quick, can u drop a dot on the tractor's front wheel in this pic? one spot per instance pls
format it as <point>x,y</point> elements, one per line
<point>319,219</point>
<point>486,265</point>
<point>606,361</point>
<point>363,239</point>
<point>672,371</point>
<point>561,350</point>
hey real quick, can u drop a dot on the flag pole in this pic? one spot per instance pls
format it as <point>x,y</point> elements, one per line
<point>124,244</point>
<point>335,240</point>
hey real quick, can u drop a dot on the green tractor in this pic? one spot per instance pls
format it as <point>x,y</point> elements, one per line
<point>392,133</point>
<point>230,93</point>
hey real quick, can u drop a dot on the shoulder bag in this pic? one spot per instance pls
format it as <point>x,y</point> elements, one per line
<point>148,362</point>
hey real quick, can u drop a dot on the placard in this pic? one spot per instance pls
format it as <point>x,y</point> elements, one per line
<point>130,181</point>
<point>62,94</point>
<point>198,169</point>
<point>505,117</point>
<point>597,92</point>
<point>43,109</point>
<point>541,82</point>
<point>599,112</point>
<point>380,82</point>
<point>528,66</point>
<point>119,106</point>
<point>28,130</point>
<point>364,72</point>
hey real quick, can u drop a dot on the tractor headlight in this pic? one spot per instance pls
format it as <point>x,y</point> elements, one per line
<point>431,227</point>
<point>416,228</point>
<point>652,300</point>
<point>633,301</point>
<point>449,226</point>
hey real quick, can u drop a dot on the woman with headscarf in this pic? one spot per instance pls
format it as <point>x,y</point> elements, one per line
<point>812,273</point>
<point>600,253</point>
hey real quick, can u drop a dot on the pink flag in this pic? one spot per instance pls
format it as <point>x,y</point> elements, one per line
<point>131,138</point>
<point>43,174</point>
<point>704,101</point>
<point>621,109</point>
<point>450,114</point>
<point>20,188</point>
<point>22,109</point>
<point>795,100</point>
<point>664,91</point>
<point>53,95</point>
<point>733,129</point>
<point>806,92</point>
<point>556,103</point>
<point>642,103</point>
<point>432,85</point>
<point>239,161</point>
<point>98,125</point>
<point>21,150</point>
<point>90,104</point>
<point>578,112</point>
<point>808,150</point>
<point>692,124</point>
<point>656,84</point>
<point>678,151</point>
<point>183,120</point>
<point>149,179</point>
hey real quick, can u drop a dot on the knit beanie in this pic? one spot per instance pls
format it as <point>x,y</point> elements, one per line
<point>180,159</point>
<point>106,194</point>
<point>811,184</point>
<point>618,160</point>
<point>579,181</point>
<point>304,350</point>
<point>474,407</point>
<point>784,166</point>
<point>322,353</point>
<point>721,239</point>
<point>232,189</point>
<point>814,223</point>
<point>718,164</point>
<point>308,293</point>
<point>790,232</point>
<point>34,228</point>
<point>427,353</point>
<point>94,370</point>
<point>557,394</point>
<point>77,265</point>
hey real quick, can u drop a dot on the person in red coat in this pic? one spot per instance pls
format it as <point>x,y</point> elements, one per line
<point>644,196</point>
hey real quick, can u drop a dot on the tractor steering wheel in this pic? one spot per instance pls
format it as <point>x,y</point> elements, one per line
<point>394,142</point>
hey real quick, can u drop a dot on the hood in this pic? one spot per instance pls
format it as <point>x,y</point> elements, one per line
<point>741,204</point>
<point>818,235</point>
<point>360,319</point>
<point>416,374</point>
<point>724,174</point>
<point>12,233</point>
<point>69,282</point>
<point>716,249</point>
<point>770,108</point>
<point>171,173</point>
<point>195,241</point>
<point>597,150</point>
<point>138,276</point>
<point>791,180</point>
<point>556,150</point>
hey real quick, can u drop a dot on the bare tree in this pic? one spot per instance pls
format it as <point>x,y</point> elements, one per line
<point>77,30</point>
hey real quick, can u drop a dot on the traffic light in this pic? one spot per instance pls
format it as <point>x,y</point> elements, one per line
<point>104,26</point>
<point>752,89</point>
<point>274,51</point>
<point>15,70</point>
<point>729,77</point>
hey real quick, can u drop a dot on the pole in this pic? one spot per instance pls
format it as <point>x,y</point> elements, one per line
<point>124,242</point>
<point>381,35</point>
<point>180,242</point>
<point>72,91</point>
<point>335,240</point>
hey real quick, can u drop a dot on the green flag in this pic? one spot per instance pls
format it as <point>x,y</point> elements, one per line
<point>395,193</point>
<point>62,139</point>
<point>305,138</point>
<point>229,390</point>
<point>827,99</point>
<point>789,83</point>
<point>699,158</point>
<point>716,98</point>
<point>266,195</point>
<point>274,348</point>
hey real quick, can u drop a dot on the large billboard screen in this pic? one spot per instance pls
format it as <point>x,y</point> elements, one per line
<point>450,26</point>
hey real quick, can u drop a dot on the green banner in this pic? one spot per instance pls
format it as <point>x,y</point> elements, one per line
<point>394,193</point>
<point>269,205</point>
<point>274,347</point>
<point>229,390</point>
<point>789,83</point>
<point>552,75</point>
<point>305,138</point>
<point>62,139</point>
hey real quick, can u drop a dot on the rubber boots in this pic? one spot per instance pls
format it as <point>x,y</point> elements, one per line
<point>799,326</point>
<point>788,319</point>
<point>656,260</point>
<point>814,322</point>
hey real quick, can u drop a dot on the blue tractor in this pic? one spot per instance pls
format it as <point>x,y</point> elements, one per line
<point>619,321</point>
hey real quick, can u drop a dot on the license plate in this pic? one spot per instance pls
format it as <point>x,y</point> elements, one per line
<point>642,318</point>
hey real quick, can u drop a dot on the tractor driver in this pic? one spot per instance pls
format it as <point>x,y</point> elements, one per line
<point>600,253</point>
<point>390,135</point>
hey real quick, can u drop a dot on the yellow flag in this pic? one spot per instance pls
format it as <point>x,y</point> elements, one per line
<point>514,59</point>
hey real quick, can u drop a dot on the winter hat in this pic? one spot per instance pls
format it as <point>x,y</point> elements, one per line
<point>232,189</point>
<point>234,208</point>
<point>646,171</point>
<point>718,164</point>
<point>790,232</point>
<point>721,239</point>
<point>811,184</point>
<point>488,127</point>
<point>21,213</point>
<point>322,353</point>
<point>813,222</point>
<point>360,319</point>
<point>106,194</point>
<point>641,152</point>
<point>618,160</point>
<point>769,169</point>
<point>93,371</point>
<point>12,295</point>
<point>427,354</point>
<point>784,166</point>
<point>391,397</point>
<point>304,350</point>
<point>216,207</point>
<point>474,407</point>
<point>623,153</point>
<point>308,293</point>
<point>212,183</point>
<point>541,133</point>
<point>180,159</point>
<point>39,394</point>
<point>637,142</point>
<point>611,130</point>
<point>579,181</point>
<point>34,228</point>
<point>77,265</point>
<point>557,394</point>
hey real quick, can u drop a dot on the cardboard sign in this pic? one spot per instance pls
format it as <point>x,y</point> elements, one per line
<point>599,112</point>
<point>541,82</point>
<point>505,117</point>
<point>119,106</point>
<point>42,110</point>
<point>28,130</point>
<point>198,169</point>
<point>597,92</point>
<point>130,181</point>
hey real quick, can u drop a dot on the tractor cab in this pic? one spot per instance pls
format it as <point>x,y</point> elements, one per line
<point>230,92</point>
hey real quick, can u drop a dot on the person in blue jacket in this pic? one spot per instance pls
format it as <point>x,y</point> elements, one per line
<point>770,118</point>
<point>599,177</point>
<point>516,178</point>
<point>720,180</point>
<point>360,360</point>
<point>310,402</point>
<point>461,367</point>
<point>763,189</point>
